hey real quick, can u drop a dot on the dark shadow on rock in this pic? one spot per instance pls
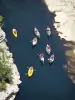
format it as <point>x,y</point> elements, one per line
<point>50,82</point>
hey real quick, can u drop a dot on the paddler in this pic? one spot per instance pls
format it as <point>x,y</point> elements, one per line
<point>48,29</point>
<point>15,31</point>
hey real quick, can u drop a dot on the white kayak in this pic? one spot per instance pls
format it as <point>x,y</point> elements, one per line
<point>51,59</point>
<point>48,49</point>
<point>34,41</point>
<point>41,56</point>
<point>36,32</point>
<point>48,31</point>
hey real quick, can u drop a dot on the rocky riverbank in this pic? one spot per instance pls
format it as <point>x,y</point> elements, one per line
<point>65,17</point>
<point>12,89</point>
<point>65,25</point>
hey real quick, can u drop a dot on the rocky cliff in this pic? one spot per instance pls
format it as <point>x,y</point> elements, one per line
<point>65,25</point>
<point>12,89</point>
<point>65,16</point>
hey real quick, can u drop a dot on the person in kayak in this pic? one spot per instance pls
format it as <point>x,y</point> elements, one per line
<point>48,29</point>
<point>41,55</point>
<point>35,29</point>
<point>31,68</point>
<point>35,39</point>
<point>48,46</point>
<point>15,31</point>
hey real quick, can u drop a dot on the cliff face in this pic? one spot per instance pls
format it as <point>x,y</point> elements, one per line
<point>13,88</point>
<point>65,25</point>
<point>65,15</point>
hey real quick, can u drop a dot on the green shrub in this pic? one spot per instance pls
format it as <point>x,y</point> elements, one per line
<point>5,70</point>
<point>3,85</point>
<point>1,21</point>
<point>1,18</point>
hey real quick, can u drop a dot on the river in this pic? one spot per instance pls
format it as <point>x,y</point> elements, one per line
<point>48,82</point>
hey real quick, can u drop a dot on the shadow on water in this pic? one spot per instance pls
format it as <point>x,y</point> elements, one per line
<point>48,82</point>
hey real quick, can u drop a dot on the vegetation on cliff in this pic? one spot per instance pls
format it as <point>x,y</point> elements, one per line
<point>5,69</point>
<point>1,21</point>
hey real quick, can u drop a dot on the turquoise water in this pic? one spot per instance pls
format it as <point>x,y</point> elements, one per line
<point>48,82</point>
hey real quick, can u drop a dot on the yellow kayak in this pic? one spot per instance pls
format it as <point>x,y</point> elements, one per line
<point>30,71</point>
<point>14,32</point>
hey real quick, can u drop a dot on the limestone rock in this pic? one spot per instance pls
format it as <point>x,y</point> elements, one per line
<point>11,89</point>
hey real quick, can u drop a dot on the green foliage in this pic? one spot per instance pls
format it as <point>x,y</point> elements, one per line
<point>1,21</point>
<point>3,85</point>
<point>5,70</point>
<point>1,18</point>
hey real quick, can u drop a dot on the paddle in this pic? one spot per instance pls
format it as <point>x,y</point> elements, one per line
<point>26,74</point>
<point>45,29</point>
<point>48,59</point>
<point>37,54</point>
<point>30,41</point>
<point>26,66</point>
<point>34,70</point>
